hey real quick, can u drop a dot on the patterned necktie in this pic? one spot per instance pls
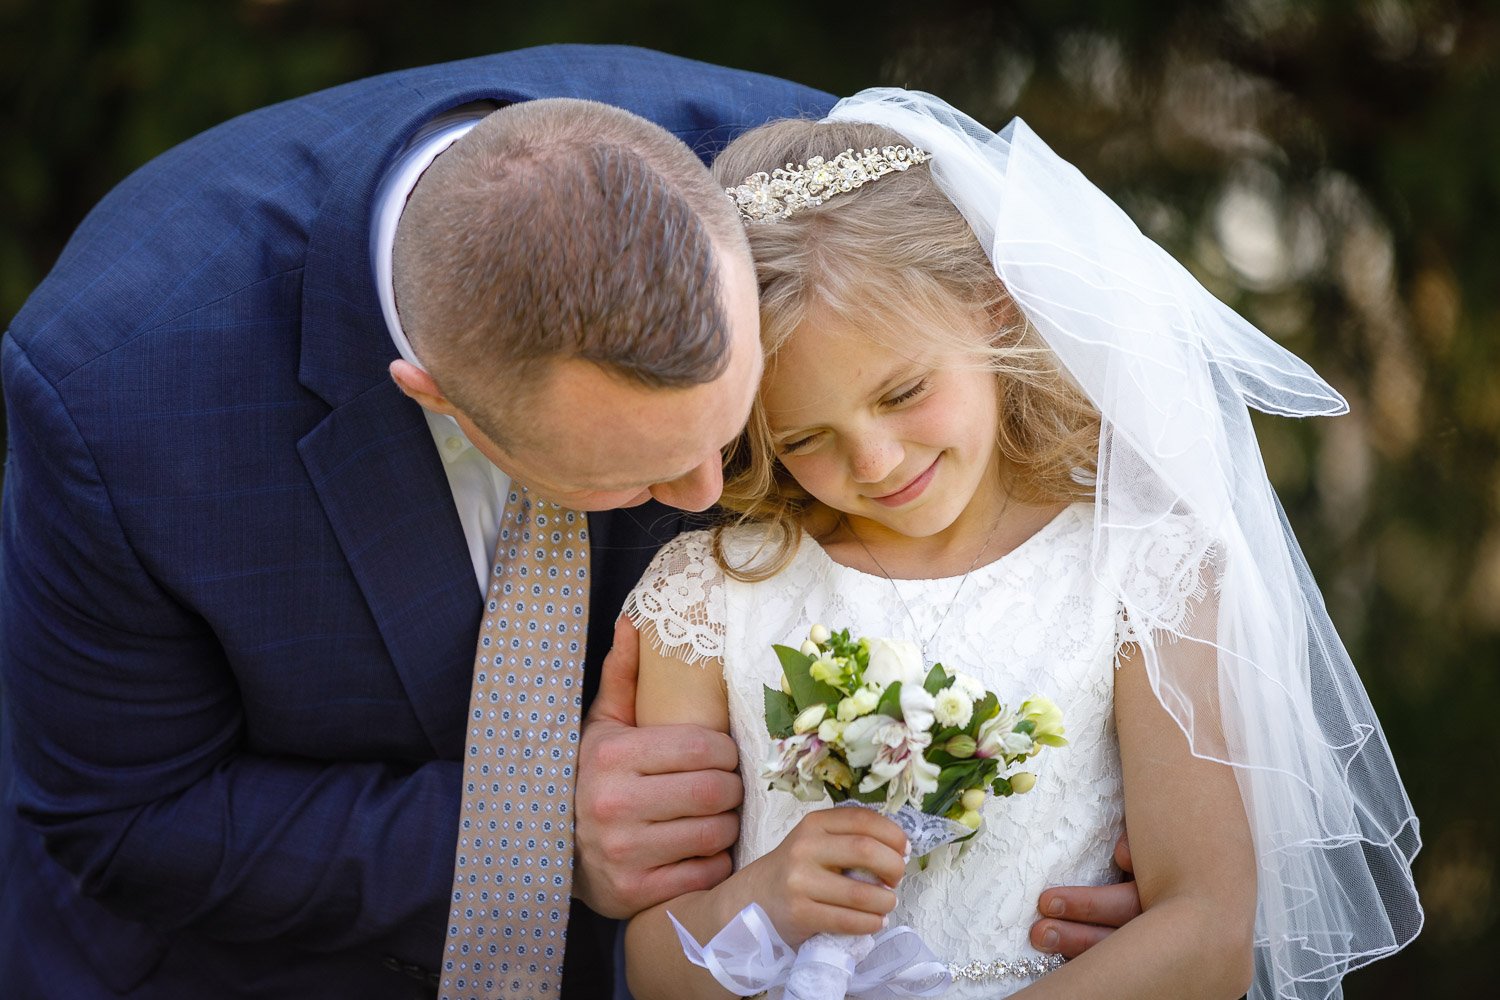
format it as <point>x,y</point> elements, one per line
<point>513,869</point>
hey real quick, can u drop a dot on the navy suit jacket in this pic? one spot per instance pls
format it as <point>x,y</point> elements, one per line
<point>237,613</point>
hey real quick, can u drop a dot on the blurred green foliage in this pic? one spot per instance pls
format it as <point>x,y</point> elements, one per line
<point>1330,168</point>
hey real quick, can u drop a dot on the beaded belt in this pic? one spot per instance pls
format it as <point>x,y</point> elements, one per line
<point>999,969</point>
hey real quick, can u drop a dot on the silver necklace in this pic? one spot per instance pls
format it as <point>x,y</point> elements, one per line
<point>953,601</point>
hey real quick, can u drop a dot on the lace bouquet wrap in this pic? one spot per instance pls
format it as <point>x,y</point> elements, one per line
<point>864,722</point>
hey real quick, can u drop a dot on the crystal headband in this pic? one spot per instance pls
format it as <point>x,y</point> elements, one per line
<point>771,197</point>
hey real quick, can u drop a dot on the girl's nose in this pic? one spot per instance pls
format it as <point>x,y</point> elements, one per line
<point>873,459</point>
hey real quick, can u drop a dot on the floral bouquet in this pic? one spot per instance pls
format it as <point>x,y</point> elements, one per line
<point>863,719</point>
<point>865,722</point>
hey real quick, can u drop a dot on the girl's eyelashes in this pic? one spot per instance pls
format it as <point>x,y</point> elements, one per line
<point>916,390</point>
<point>788,447</point>
<point>911,392</point>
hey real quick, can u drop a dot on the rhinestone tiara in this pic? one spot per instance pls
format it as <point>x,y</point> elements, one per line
<point>771,197</point>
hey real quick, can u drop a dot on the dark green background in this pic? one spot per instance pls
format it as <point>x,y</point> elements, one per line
<point>1331,169</point>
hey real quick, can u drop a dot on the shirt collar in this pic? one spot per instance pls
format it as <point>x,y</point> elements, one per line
<point>390,200</point>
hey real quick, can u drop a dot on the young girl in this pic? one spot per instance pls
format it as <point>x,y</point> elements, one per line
<point>998,422</point>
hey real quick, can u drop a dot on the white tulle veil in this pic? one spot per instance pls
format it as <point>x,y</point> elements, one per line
<point>1259,679</point>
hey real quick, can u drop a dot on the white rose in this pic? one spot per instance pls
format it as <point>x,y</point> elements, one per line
<point>894,660</point>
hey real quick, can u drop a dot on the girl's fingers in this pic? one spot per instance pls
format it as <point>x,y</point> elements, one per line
<point>863,823</point>
<point>824,919</point>
<point>862,853</point>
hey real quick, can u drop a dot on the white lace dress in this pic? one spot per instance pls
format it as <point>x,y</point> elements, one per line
<point>1032,622</point>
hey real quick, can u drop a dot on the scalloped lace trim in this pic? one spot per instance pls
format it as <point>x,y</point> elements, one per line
<point>681,598</point>
<point>1168,581</point>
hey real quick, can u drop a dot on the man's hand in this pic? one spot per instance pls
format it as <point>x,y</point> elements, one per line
<point>653,815</point>
<point>1075,918</point>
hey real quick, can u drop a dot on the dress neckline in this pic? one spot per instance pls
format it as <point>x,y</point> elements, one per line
<point>808,547</point>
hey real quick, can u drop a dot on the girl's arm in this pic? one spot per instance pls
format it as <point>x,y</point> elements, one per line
<point>1194,864</point>
<point>800,884</point>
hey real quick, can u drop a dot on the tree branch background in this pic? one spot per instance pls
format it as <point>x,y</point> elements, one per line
<point>1330,169</point>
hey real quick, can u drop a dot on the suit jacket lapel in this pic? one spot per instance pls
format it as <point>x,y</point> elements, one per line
<point>372,460</point>
<point>374,467</point>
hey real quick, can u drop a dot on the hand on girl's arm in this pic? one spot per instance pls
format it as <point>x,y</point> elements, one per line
<point>800,884</point>
<point>1194,866</point>
<point>1077,917</point>
<point>655,803</point>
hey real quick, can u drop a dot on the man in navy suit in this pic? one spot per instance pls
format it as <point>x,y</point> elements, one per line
<point>239,600</point>
<point>247,519</point>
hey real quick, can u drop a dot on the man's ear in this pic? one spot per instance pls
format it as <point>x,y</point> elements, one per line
<point>417,384</point>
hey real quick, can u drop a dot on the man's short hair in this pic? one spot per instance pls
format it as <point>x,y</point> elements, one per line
<point>563,229</point>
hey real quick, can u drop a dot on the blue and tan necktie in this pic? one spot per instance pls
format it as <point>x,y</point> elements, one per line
<point>513,868</point>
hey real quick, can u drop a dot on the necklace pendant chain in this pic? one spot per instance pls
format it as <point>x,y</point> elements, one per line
<point>922,644</point>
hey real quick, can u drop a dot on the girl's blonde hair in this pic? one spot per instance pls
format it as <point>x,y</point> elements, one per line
<point>895,258</point>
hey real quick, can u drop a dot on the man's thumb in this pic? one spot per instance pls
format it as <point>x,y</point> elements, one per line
<point>617,677</point>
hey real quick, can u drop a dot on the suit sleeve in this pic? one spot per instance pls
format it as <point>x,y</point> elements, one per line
<point>129,748</point>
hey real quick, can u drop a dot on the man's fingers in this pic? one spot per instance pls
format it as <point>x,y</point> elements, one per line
<point>615,698</point>
<point>1107,906</point>
<point>1122,854</point>
<point>669,750</point>
<point>663,844</point>
<point>692,875</point>
<point>655,800</point>
<point>1066,939</point>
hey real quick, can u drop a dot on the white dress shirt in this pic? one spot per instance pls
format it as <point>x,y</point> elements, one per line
<point>478,487</point>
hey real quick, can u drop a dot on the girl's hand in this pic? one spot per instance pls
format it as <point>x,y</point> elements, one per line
<point>802,886</point>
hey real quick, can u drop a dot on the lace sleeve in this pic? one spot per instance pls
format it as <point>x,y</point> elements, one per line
<point>1169,576</point>
<point>679,602</point>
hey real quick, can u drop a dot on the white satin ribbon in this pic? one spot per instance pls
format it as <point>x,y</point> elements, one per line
<point>748,956</point>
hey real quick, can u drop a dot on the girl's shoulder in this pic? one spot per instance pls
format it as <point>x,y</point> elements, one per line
<point>1164,571</point>
<point>681,602</point>
<point>707,550</point>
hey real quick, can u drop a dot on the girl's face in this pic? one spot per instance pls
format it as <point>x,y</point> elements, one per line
<point>904,442</point>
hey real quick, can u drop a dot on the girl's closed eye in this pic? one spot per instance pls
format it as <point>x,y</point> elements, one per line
<point>915,390</point>
<point>791,447</point>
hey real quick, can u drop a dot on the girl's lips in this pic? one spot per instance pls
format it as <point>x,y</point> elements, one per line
<point>911,490</point>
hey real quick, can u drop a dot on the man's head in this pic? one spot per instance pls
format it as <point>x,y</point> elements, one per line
<point>582,298</point>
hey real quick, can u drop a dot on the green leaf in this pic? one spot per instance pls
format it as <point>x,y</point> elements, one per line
<point>1026,726</point>
<point>987,709</point>
<point>805,691</point>
<point>953,781</point>
<point>781,712</point>
<point>937,679</point>
<point>890,702</point>
<point>1001,787</point>
<point>873,796</point>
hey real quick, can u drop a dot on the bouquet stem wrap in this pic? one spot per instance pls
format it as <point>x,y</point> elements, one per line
<point>748,956</point>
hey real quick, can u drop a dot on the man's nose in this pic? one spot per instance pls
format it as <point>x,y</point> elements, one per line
<point>698,490</point>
